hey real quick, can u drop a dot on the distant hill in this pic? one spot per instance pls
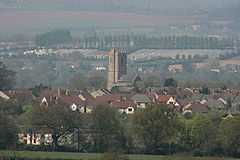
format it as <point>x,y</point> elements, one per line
<point>150,6</point>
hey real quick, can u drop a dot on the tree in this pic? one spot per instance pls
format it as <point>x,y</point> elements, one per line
<point>177,57</point>
<point>183,56</point>
<point>53,37</point>
<point>229,104</point>
<point>36,90</point>
<point>201,132</point>
<point>229,134</point>
<point>7,77</point>
<point>97,81</point>
<point>205,90</point>
<point>59,120</point>
<point>152,81</point>
<point>155,126</point>
<point>8,132</point>
<point>11,107</point>
<point>78,81</point>
<point>107,129</point>
<point>170,82</point>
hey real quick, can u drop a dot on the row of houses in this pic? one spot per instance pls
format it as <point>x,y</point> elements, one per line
<point>184,101</point>
<point>180,99</point>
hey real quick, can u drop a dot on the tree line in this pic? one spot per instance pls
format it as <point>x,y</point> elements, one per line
<point>133,41</point>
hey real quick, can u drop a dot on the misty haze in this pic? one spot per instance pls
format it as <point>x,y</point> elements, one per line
<point>119,79</point>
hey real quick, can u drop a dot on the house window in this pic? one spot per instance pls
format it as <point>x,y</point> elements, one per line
<point>130,110</point>
<point>34,140</point>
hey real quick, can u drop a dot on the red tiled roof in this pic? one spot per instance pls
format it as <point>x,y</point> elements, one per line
<point>69,100</point>
<point>163,98</point>
<point>199,108</point>
<point>115,100</point>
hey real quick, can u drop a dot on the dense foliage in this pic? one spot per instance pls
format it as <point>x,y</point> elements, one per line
<point>56,119</point>
<point>8,132</point>
<point>157,129</point>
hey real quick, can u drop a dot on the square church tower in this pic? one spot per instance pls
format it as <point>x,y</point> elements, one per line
<point>117,67</point>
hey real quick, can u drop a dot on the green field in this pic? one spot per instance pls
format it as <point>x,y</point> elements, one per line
<point>85,156</point>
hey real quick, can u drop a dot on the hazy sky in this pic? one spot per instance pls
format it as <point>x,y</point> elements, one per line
<point>41,15</point>
<point>157,4</point>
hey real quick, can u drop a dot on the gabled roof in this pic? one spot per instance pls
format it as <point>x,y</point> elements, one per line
<point>164,98</point>
<point>141,98</point>
<point>136,78</point>
<point>23,96</point>
<point>4,96</point>
<point>222,100</point>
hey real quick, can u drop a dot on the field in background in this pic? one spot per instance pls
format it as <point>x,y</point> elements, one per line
<point>148,54</point>
<point>39,21</point>
<point>83,156</point>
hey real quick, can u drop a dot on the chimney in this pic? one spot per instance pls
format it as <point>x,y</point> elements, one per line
<point>67,92</point>
<point>59,92</point>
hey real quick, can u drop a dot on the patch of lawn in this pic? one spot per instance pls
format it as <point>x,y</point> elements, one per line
<point>87,156</point>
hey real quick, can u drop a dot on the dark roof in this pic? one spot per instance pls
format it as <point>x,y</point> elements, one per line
<point>115,100</point>
<point>199,108</point>
<point>141,98</point>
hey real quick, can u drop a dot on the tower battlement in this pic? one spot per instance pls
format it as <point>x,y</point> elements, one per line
<point>117,66</point>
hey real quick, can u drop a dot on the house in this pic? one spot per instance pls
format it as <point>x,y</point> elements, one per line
<point>175,68</point>
<point>183,104</point>
<point>120,102</point>
<point>125,106</point>
<point>48,96</point>
<point>166,99</point>
<point>195,107</point>
<point>100,92</point>
<point>23,96</point>
<point>141,100</point>
<point>184,93</point>
<point>199,108</point>
<point>73,101</point>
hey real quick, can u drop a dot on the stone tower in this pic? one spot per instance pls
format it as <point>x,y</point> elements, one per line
<point>117,67</point>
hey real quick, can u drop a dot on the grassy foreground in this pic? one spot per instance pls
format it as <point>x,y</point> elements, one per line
<point>85,156</point>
